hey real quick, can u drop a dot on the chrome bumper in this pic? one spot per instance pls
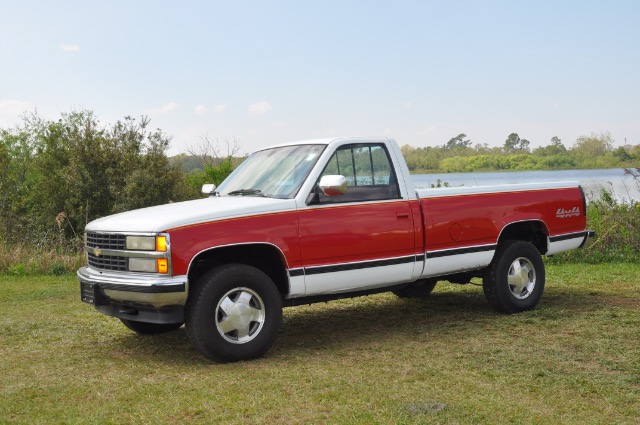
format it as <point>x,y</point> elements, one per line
<point>132,288</point>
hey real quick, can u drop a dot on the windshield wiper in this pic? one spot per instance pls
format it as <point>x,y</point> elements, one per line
<point>246,192</point>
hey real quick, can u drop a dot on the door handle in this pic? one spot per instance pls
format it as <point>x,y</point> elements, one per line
<point>402,215</point>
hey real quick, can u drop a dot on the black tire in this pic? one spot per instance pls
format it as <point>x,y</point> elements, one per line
<point>144,328</point>
<point>418,289</point>
<point>243,329</point>
<point>514,281</point>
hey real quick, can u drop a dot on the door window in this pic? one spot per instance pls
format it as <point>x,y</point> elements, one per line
<point>368,171</point>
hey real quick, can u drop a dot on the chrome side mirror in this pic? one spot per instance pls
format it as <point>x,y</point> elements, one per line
<point>333,185</point>
<point>208,189</point>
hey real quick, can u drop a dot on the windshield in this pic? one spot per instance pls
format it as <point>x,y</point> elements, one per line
<point>273,173</point>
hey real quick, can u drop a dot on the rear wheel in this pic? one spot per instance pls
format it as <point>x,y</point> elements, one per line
<point>234,313</point>
<point>514,281</point>
<point>144,328</point>
<point>418,289</point>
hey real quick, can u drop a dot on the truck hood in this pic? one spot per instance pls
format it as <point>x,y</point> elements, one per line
<point>164,217</point>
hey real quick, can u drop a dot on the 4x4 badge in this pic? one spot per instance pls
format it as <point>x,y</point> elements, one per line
<point>562,213</point>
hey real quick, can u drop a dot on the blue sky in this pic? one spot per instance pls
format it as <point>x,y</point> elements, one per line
<point>265,72</point>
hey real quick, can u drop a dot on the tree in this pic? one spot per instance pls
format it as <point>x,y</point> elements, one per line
<point>554,148</point>
<point>213,152</point>
<point>515,143</point>
<point>17,150</point>
<point>86,170</point>
<point>622,155</point>
<point>594,145</point>
<point>458,142</point>
<point>218,158</point>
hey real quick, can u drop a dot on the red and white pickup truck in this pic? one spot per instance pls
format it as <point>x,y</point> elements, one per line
<point>313,221</point>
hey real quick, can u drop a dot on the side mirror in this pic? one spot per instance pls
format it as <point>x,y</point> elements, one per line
<point>208,189</point>
<point>333,185</point>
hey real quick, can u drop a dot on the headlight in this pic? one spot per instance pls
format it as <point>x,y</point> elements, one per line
<point>143,265</point>
<point>141,243</point>
<point>149,265</point>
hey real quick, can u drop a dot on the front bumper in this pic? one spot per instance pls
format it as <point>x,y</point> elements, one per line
<point>134,296</point>
<point>135,289</point>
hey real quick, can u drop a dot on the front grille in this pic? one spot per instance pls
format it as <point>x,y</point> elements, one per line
<point>106,240</point>
<point>108,262</point>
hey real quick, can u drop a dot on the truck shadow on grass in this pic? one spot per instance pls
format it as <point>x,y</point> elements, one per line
<point>363,321</point>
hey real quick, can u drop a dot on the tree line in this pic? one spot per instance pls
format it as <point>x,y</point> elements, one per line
<point>460,155</point>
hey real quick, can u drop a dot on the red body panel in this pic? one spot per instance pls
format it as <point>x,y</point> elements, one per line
<point>477,219</point>
<point>352,233</point>
<point>280,229</point>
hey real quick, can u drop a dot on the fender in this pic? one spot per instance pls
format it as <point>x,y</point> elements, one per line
<point>265,256</point>
<point>517,229</point>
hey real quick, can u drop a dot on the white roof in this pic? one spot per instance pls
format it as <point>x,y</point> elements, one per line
<point>323,141</point>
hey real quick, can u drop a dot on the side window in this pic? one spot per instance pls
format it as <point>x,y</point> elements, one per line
<point>368,171</point>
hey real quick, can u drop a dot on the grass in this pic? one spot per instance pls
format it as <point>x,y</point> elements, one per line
<point>377,359</point>
<point>30,259</point>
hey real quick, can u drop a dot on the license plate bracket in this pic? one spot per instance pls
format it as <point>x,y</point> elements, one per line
<point>87,294</point>
<point>91,293</point>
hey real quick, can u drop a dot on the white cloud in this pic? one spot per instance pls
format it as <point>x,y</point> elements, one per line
<point>259,108</point>
<point>69,47</point>
<point>387,131</point>
<point>220,108</point>
<point>200,109</point>
<point>11,110</point>
<point>165,109</point>
<point>14,106</point>
<point>407,105</point>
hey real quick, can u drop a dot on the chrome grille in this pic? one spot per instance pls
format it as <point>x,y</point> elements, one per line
<point>108,262</point>
<point>106,240</point>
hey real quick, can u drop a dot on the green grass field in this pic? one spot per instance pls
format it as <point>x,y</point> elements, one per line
<point>376,359</point>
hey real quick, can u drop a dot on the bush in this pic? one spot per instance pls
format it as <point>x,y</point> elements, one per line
<point>617,227</point>
<point>59,175</point>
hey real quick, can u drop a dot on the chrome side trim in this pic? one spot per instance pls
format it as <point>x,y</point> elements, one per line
<point>568,236</point>
<point>460,251</point>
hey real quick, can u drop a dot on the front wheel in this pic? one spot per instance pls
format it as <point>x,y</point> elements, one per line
<point>234,314</point>
<point>514,281</point>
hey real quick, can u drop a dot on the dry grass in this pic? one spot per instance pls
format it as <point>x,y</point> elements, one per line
<point>26,259</point>
<point>377,359</point>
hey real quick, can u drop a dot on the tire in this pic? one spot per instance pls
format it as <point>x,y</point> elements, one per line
<point>144,328</point>
<point>514,281</point>
<point>418,289</point>
<point>234,313</point>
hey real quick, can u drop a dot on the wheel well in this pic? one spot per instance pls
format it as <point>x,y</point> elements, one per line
<point>534,232</point>
<point>266,258</point>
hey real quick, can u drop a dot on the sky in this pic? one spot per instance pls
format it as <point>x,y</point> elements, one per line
<point>267,72</point>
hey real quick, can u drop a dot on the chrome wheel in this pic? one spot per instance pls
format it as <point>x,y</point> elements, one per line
<point>522,278</point>
<point>514,281</point>
<point>240,315</point>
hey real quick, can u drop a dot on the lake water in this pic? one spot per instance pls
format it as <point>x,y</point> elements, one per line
<point>615,180</point>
